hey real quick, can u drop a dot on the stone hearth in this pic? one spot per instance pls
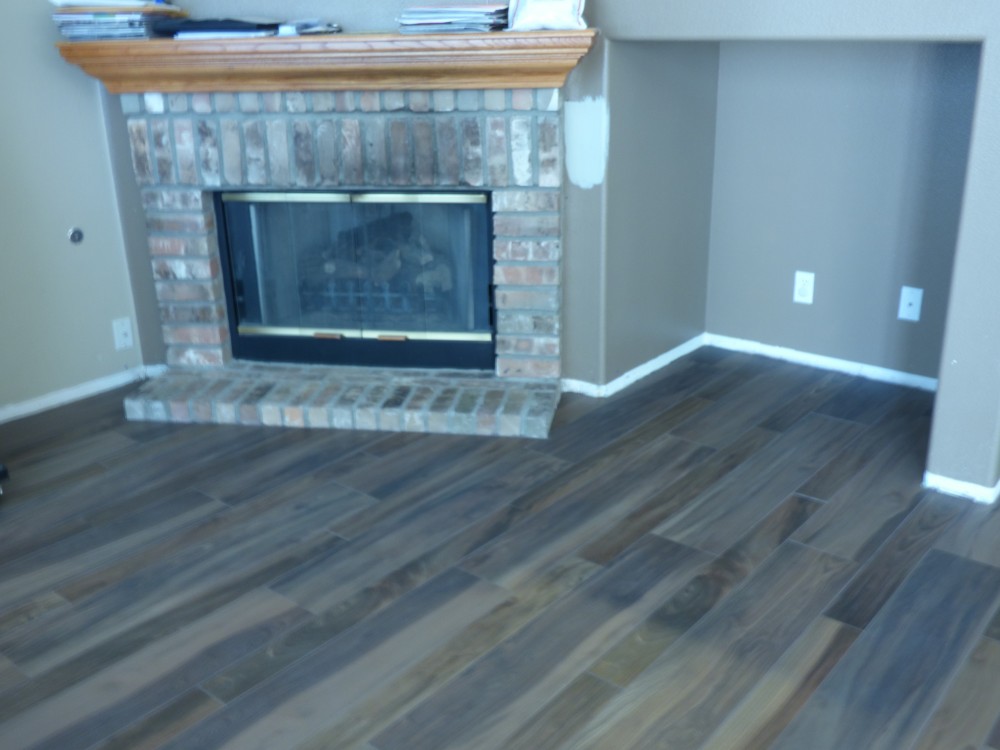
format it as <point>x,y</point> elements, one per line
<point>506,141</point>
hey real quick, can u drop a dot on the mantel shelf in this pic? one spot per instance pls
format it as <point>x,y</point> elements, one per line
<point>536,59</point>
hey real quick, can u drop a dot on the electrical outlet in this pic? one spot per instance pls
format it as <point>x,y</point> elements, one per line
<point>910,301</point>
<point>805,285</point>
<point>122,330</point>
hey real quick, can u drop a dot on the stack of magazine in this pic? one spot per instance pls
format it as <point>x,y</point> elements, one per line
<point>110,19</point>
<point>440,17</point>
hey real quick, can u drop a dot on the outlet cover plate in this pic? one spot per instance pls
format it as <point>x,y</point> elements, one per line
<point>122,329</point>
<point>805,285</point>
<point>910,301</point>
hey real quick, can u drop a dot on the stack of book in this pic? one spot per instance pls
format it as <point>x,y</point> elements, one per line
<point>86,20</point>
<point>434,18</point>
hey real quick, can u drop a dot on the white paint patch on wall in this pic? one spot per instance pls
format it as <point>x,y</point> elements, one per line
<point>588,136</point>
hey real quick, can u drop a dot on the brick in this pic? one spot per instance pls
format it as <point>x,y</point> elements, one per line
<point>518,367</point>
<point>272,102</point>
<point>522,151</point>
<point>525,200</point>
<point>530,250</point>
<point>293,416</point>
<point>443,101</point>
<point>345,101</point>
<point>375,164</point>
<point>447,152</point>
<point>495,100</point>
<point>419,101</point>
<point>549,153</point>
<point>190,222</point>
<point>225,102</point>
<point>393,101</point>
<point>535,346</point>
<point>522,99</point>
<point>172,200</point>
<point>178,104</point>
<point>423,152</point>
<point>192,313</point>
<point>138,136</point>
<point>195,334</point>
<point>369,101</point>
<point>545,299</point>
<point>526,225</point>
<point>326,152</point>
<point>232,152</point>
<point>208,153</point>
<point>177,246</point>
<point>168,269</point>
<point>526,275</point>
<point>352,152</point>
<point>163,153</point>
<point>255,145</point>
<point>467,101</point>
<point>509,323</point>
<point>496,152</point>
<point>188,356</point>
<point>400,155</point>
<point>249,102</point>
<point>201,103</point>
<point>295,102</point>
<point>306,174</point>
<point>323,101</point>
<point>277,152</point>
<point>154,104</point>
<point>472,153</point>
<point>187,160</point>
<point>185,290</point>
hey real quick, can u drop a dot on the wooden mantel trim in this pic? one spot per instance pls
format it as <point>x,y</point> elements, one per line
<point>535,59</point>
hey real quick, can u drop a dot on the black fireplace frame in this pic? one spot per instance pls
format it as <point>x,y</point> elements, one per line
<point>352,351</point>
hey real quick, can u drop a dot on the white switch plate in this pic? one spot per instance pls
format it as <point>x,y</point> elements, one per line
<point>805,285</point>
<point>910,301</point>
<point>122,329</point>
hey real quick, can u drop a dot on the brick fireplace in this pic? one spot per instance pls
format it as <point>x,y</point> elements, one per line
<point>187,146</point>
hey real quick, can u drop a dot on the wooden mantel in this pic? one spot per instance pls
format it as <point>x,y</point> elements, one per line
<point>536,59</point>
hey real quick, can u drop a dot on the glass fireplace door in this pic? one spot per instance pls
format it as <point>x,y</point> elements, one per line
<point>381,268</point>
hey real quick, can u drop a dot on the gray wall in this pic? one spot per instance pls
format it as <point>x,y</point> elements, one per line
<point>847,160</point>
<point>659,195</point>
<point>57,300</point>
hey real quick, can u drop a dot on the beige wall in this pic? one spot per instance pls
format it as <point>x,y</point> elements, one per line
<point>57,300</point>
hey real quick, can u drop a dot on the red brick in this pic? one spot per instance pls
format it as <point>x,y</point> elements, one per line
<point>535,346</point>
<point>544,299</point>
<point>526,225</point>
<point>169,269</point>
<point>195,334</point>
<point>517,367</point>
<point>189,356</point>
<point>526,275</point>
<point>189,291</point>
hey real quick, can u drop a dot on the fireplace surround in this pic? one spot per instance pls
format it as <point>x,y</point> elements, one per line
<point>506,143</point>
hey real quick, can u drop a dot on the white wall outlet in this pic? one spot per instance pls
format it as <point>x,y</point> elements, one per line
<point>122,330</point>
<point>910,301</point>
<point>805,285</point>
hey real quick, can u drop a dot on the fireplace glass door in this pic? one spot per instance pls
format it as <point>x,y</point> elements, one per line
<point>359,278</point>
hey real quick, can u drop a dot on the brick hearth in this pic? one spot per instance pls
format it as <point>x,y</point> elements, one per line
<point>186,146</point>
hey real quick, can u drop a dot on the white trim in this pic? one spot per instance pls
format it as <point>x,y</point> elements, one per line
<point>881,374</point>
<point>958,488</point>
<point>634,375</point>
<point>870,372</point>
<point>10,412</point>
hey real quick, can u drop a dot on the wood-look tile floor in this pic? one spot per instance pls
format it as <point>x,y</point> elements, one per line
<point>734,553</point>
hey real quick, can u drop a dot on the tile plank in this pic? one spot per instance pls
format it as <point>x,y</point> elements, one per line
<point>543,658</point>
<point>882,690</point>
<point>686,694</point>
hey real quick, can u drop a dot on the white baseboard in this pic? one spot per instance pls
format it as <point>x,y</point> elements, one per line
<point>958,488</point>
<point>632,376</point>
<point>870,372</point>
<point>10,412</point>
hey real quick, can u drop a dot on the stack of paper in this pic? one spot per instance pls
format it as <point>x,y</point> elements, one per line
<point>110,19</point>
<point>433,18</point>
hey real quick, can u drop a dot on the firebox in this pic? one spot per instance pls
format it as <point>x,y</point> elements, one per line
<point>359,278</point>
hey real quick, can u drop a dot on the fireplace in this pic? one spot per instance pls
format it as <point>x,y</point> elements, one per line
<point>496,152</point>
<point>373,278</point>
